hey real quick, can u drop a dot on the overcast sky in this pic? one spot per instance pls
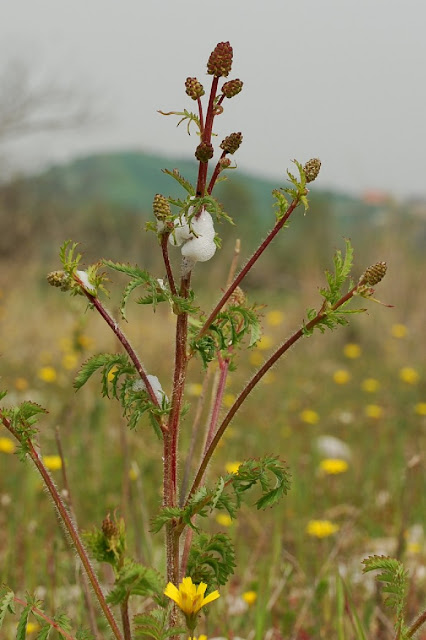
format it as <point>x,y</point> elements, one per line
<point>340,79</point>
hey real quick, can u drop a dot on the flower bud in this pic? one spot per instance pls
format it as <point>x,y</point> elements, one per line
<point>194,89</point>
<point>232,88</point>
<point>237,298</point>
<point>374,274</point>
<point>204,151</point>
<point>161,207</point>
<point>224,163</point>
<point>220,61</point>
<point>59,279</point>
<point>312,169</point>
<point>109,528</point>
<point>231,143</point>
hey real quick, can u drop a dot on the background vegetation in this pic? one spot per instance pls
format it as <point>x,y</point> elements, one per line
<point>365,386</point>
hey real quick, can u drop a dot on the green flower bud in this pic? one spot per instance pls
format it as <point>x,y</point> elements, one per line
<point>374,274</point>
<point>220,61</point>
<point>194,89</point>
<point>232,88</point>
<point>231,143</point>
<point>312,169</point>
<point>59,279</point>
<point>204,151</point>
<point>161,207</point>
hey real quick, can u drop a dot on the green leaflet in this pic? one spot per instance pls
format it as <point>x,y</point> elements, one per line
<point>394,577</point>
<point>6,602</point>
<point>21,629</point>
<point>118,362</point>
<point>155,290</point>
<point>153,626</point>
<point>181,180</point>
<point>211,559</point>
<point>135,579</point>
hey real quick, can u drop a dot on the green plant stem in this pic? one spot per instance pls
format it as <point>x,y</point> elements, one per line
<point>255,380</point>
<point>420,621</point>
<point>242,274</point>
<point>127,347</point>
<point>41,614</point>
<point>71,529</point>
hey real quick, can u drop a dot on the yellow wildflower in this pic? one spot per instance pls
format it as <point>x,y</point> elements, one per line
<point>309,416</point>
<point>399,330</point>
<point>32,627</point>
<point>409,375</point>
<point>352,350</point>
<point>228,400</point>
<point>65,344</point>
<point>370,385</point>
<point>85,342</point>
<point>265,343</point>
<point>341,376</point>
<point>201,637</point>
<point>195,389</point>
<point>133,473</point>
<point>333,466</point>
<point>373,411</point>
<point>69,361</point>
<point>420,408</point>
<point>414,547</point>
<point>274,318</point>
<point>21,384</point>
<point>53,463</point>
<point>256,358</point>
<point>224,519</point>
<point>47,374</point>
<point>190,598</point>
<point>250,597</point>
<point>111,373</point>
<point>232,467</point>
<point>321,528</point>
<point>7,445</point>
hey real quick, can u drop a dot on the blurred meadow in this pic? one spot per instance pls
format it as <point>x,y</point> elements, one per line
<point>346,410</point>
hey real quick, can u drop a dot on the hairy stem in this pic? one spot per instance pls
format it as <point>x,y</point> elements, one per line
<point>127,347</point>
<point>244,271</point>
<point>420,621</point>
<point>41,614</point>
<point>125,620</point>
<point>255,380</point>
<point>69,526</point>
<point>165,250</point>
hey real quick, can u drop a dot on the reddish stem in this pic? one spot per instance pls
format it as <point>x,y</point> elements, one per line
<point>200,113</point>
<point>224,366</point>
<point>69,525</point>
<point>215,174</point>
<point>165,250</point>
<point>254,381</point>
<point>421,620</point>
<point>206,137</point>
<point>49,620</point>
<point>126,345</point>
<point>271,235</point>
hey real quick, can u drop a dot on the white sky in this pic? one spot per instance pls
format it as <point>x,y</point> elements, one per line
<point>340,79</point>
